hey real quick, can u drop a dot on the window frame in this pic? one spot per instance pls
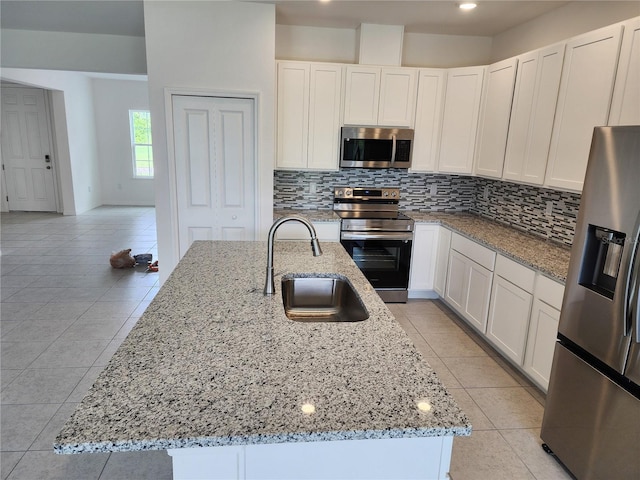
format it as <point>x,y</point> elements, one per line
<point>134,159</point>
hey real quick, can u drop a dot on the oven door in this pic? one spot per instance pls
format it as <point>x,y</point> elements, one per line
<point>383,257</point>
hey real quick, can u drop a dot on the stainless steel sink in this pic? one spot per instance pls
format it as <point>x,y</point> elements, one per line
<point>326,298</point>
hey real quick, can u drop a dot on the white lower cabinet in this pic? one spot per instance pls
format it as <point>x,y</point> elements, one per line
<point>469,278</point>
<point>442,261</point>
<point>515,307</point>
<point>423,261</point>
<point>326,231</point>
<point>511,298</point>
<point>543,330</point>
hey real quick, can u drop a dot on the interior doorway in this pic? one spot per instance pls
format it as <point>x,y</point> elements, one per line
<point>30,178</point>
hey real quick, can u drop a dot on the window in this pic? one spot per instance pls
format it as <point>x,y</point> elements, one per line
<point>140,121</point>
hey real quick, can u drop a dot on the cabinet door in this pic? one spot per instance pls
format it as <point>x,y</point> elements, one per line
<point>494,119</point>
<point>583,103</point>
<point>534,105</point>
<point>397,97</point>
<point>362,94</point>
<point>326,231</point>
<point>431,83</point>
<point>423,260</point>
<point>442,261</point>
<point>460,119</point>
<point>625,107</point>
<point>509,318</point>
<point>293,114</point>
<point>541,341</point>
<point>478,295</point>
<point>325,97</point>
<point>456,290</point>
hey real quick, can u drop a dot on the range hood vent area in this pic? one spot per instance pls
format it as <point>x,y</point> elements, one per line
<point>380,44</point>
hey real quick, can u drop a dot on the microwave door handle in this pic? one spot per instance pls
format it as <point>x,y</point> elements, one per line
<point>393,149</point>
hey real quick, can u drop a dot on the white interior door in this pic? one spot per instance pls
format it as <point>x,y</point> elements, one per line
<point>26,151</point>
<point>215,168</point>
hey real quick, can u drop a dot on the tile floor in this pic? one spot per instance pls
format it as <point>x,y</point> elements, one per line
<point>64,312</point>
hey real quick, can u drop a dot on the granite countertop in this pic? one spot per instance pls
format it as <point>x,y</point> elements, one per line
<point>214,362</point>
<point>550,258</point>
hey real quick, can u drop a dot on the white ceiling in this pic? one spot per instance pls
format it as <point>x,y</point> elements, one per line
<point>125,17</point>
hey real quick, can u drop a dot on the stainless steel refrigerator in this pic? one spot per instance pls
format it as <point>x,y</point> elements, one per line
<point>592,413</point>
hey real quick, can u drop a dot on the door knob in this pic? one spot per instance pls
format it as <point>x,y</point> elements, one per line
<point>48,167</point>
<point>234,217</point>
<point>47,158</point>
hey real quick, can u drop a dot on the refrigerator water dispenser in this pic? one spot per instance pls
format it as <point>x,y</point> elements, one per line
<point>601,260</point>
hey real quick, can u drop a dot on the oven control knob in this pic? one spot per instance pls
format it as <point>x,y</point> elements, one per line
<point>339,193</point>
<point>347,192</point>
<point>393,194</point>
<point>385,194</point>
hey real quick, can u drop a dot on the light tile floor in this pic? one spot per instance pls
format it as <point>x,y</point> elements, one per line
<point>505,409</point>
<point>65,311</point>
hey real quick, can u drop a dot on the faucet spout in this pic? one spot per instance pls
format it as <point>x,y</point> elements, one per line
<point>315,246</point>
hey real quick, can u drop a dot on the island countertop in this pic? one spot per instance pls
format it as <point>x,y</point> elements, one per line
<point>214,362</point>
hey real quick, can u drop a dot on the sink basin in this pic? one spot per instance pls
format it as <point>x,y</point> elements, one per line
<point>326,298</point>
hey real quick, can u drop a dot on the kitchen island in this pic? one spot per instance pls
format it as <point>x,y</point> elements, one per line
<point>215,373</point>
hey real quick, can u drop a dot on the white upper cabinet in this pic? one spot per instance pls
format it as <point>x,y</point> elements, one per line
<point>325,109</point>
<point>398,97</point>
<point>460,119</point>
<point>383,96</point>
<point>534,105</point>
<point>431,84</point>
<point>494,118</point>
<point>309,108</point>
<point>625,107</point>
<point>293,114</point>
<point>583,103</point>
<point>362,95</point>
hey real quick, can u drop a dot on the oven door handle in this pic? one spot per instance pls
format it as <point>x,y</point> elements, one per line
<point>404,236</point>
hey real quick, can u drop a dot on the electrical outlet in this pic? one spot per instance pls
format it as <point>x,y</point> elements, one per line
<point>485,193</point>
<point>549,210</point>
<point>433,189</point>
<point>313,188</point>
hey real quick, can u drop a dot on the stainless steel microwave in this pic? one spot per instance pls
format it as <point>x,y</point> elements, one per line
<point>372,147</point>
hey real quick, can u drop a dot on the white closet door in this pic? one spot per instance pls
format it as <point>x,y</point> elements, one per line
<point>215,168</point>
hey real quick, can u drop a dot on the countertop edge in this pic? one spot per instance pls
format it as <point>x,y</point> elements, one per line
<point>166,444</point>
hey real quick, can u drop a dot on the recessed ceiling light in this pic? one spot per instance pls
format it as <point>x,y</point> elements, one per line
<point>468,6</point>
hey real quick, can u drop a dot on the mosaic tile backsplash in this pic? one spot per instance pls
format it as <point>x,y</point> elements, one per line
<point>521,206</point>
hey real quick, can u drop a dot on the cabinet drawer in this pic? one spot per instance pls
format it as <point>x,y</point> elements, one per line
<point>476,252</point>
<point>549,291</point>
<point>516,273</point>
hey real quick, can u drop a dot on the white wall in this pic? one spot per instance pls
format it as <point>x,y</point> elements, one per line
<point>419,50</point>
<point>74,134</point>
<point>112,101</point>
<point>565,22</point>
<point>316,44</point>
<point>445,51</point>
<point>78,52</point>
<point>215,46</point>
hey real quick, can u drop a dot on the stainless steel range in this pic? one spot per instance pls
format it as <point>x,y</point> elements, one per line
<point>377,236</point>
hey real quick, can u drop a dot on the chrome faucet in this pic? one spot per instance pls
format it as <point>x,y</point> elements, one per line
<point>315,246</point>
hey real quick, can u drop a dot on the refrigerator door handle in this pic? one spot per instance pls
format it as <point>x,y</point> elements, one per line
<point>632,294</point>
